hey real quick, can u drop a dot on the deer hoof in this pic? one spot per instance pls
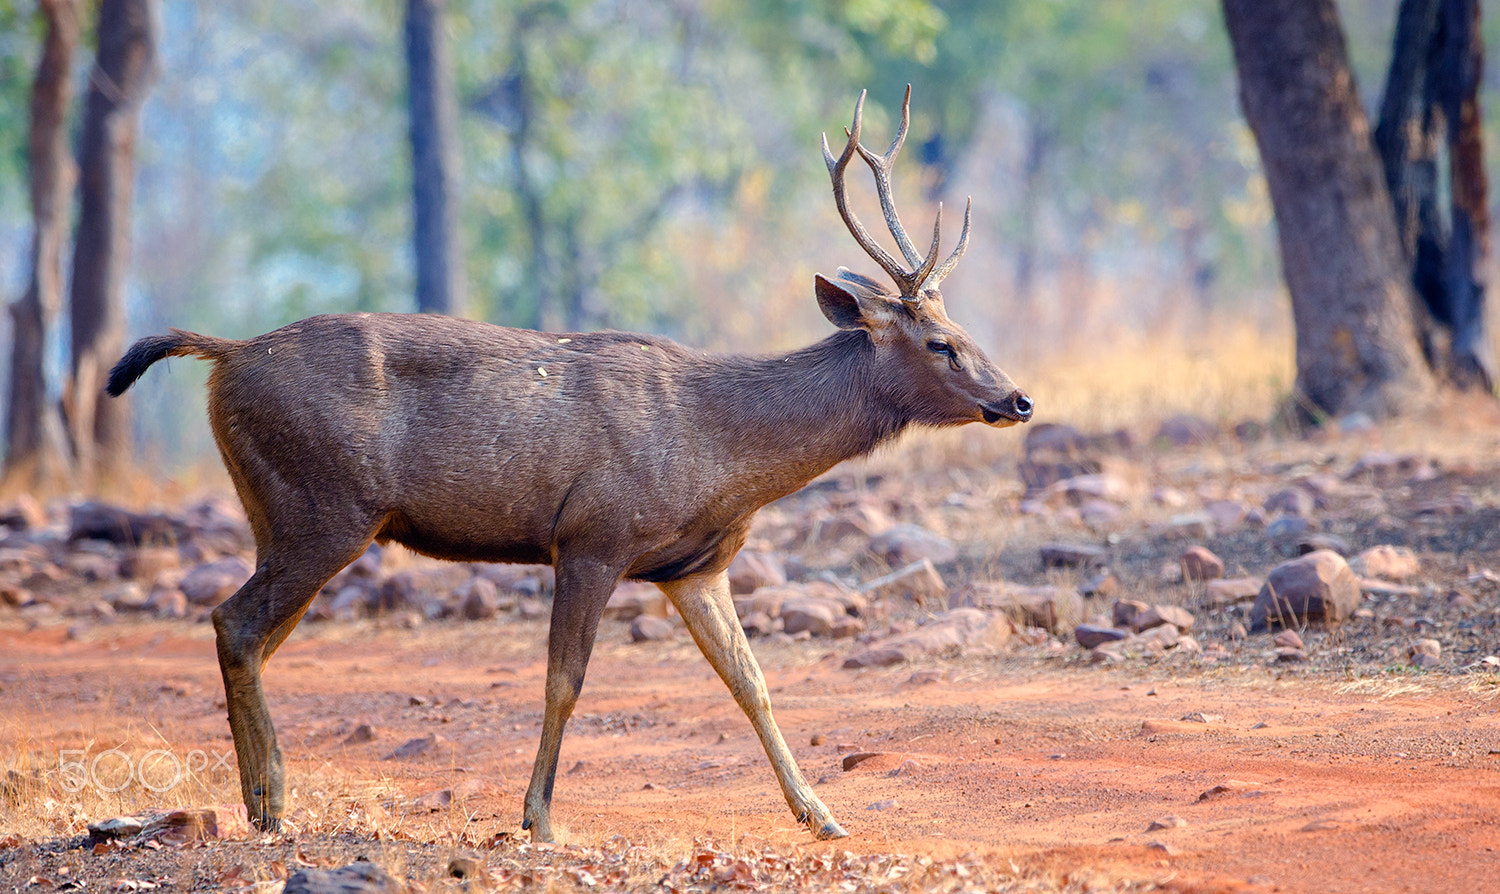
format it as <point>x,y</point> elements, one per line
<point>831,830</point>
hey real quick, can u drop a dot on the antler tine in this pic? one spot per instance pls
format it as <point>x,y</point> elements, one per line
<point>881,166</point>
<point>837,168</point>
<point>922,273</point>
<point>938,275</point>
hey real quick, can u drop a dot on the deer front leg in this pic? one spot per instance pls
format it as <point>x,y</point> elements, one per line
<point>706,607</point>
<point>583,587</point>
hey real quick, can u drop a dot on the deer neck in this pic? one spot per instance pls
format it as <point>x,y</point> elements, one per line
<point>802,413</point>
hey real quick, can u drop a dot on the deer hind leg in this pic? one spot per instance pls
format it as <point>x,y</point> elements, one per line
<point>249,626</point>
<point>708,611</point>
<point>583,587</point>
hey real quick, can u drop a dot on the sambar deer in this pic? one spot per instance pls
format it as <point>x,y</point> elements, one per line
<point>607,455</point>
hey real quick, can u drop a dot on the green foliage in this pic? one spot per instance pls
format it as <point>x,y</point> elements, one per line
<point>20,46</point>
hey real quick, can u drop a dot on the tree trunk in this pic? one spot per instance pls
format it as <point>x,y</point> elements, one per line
<point>122,74</point>
<point>435,165</point>
<point>1341,253</point>
<point>37,454</point>
<point>1408,139</point>
<point>1471,364</point>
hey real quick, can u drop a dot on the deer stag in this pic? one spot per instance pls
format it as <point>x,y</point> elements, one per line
<point>607,455</point>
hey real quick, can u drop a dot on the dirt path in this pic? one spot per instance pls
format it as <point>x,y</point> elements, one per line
<point>1378,785</point>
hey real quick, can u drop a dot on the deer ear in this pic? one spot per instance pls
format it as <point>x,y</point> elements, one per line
<point>848,302</point>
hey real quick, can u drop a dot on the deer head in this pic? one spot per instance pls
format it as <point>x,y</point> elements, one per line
<point>934,370</point>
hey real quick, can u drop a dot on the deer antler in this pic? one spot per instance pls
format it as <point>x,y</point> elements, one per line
<point>926,273</point>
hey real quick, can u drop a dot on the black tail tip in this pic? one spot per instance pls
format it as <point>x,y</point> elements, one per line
<point>136,361</point>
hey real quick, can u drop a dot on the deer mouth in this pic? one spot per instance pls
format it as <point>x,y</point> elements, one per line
<point>1014,409</point>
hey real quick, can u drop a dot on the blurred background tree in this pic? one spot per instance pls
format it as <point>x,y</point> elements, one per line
<point>655,165</point>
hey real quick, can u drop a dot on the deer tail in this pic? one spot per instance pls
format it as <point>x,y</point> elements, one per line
<point>152,348</point>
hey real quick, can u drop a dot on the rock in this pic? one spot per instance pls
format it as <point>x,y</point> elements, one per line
<point>1291,501</point>
<point>1397,563</point>
<point>1170,497</point>
<point>1289,639</point>
<point>1429,647</point>
<point>905,544</point>
<point>1317,588</point>
<point>752,569</point>
<point>1170,615</point>
<point>414,747</point>
<point>117,827</point>
<point>1227,515</point>
<point>146,562</point>
<point>1127,613</point>
<point>631,599</point>
<point>1101,586</point>
<point>1092,635</point>
<point>952,631</point>
<point>1071,555</point>
<point>23,513</point>
<point>759,624</point>
<point>192,824</point>
<point>1167,822</point>
<point>1288,655</point>
<point>1041,606</point>
<point>92,568</point>
<point>361,734</point>
<point>414,588</point>
<point>1313,541</point>
<point>167,603</point>
<point>483,601</point>
<point>1183,430</point>
<point>211,583</point>
<point>356,878</point>
<point>1080,489</point>
<point>351,603</point>
<point>813,614</point>
<point>861,520</point>
<point>649,628</point>
<point>100,521</point>
<point>127,597</point>
<point>1232,590</point>
<point>1200,564</point>
<point>1190,526</point>
<point>1288,528</point>
<point>846,627</point>
<point>1100,513</point>
<point>919,582</point>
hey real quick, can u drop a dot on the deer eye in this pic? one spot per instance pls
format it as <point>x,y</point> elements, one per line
<point>940,347</point>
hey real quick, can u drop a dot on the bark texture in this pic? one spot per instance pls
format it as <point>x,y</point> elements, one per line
<point>122,74</point>
<point>37,454</point>
<point>1341,253</point>
<point>433,114</point>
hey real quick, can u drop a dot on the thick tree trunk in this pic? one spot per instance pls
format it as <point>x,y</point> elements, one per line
<point>435,165</point>
<point>37,454</point>
<point>1341,254</point>
<point>122,74</point>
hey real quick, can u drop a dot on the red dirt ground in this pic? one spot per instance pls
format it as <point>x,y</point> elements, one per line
<point>1044,764</point>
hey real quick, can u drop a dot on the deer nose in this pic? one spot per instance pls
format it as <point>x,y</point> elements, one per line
<point>1023,405</point>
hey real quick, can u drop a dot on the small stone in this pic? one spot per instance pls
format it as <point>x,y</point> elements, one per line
<point>1291,501</point>
<point>1289,639</point>
<point>753,569</point>
<point>1190,526</point>
<point>211,583</point>
<point>414,747</point>
<point>1200,717</point>
<point>1200,564</point>
<point>1397,563</point>
<point>919,582</point>
<point>361,734</point>
<point>1290,656</point>
<point>356,878</point>
<point>883,805</point>
<point>483,601</point>
<point>167,603</point>
<point>1071,555</point>
<point>904,544</point>
<point>1170,821</point>
<point>1227,515</point>
<point>1288,528</point>
<point>907,768</point>
<point>117,827</point>
<point>812,614</point>
<point>759,624</point>
<point>846,627</point>
<point>1184,430</point>
<point>1172,615</point>
<point>631,599</point>
<point>1128,613</point>
<point>1233,590</point>
<point>1429,647</point>
<point>1313,541</point>
<point>192,824</point>
<point>819,739</point>
<point>1101,586</point>
<point>649,628</point>
<point>1091,636</point>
